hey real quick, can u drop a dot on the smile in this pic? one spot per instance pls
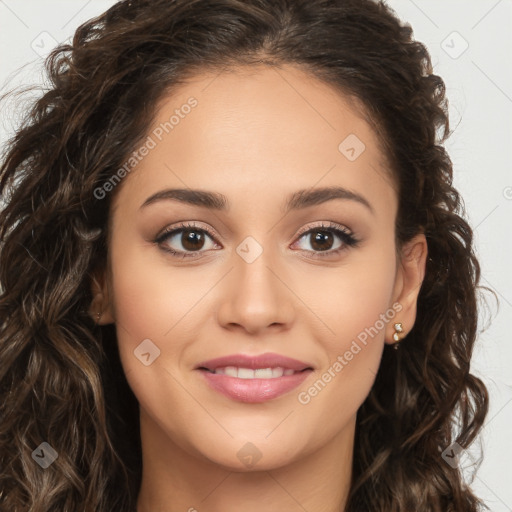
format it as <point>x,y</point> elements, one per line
<point>249,373</point>
<point>254,379</point>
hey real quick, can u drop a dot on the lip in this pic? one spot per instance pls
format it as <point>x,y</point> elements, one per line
<point>267,360</point>
<point>254,390</point>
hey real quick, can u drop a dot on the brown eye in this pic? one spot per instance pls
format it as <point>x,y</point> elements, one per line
<point>322,239</point>
<point>184,240</point>
<point>192,240</point>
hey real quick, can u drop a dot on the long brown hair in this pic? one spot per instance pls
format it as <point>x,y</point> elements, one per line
<point>61,380</point>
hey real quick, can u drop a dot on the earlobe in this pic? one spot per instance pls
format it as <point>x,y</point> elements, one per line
<point>101,309</point>
<point>410,275</point>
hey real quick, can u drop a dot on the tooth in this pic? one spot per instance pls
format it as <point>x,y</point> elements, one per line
<point>231,371</point>
<point>248,373</point>
<point>277,372</point>
<point>245,373</point>
<point>263,373</point>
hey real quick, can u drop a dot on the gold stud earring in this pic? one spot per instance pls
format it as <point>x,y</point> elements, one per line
<point>396,335</point>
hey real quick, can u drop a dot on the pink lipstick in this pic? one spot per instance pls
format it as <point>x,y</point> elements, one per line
<point>254,379</point>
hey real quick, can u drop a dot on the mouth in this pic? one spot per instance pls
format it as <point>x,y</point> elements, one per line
<point>250,373</point>
<point>254,379</point>
<point>264,364</point>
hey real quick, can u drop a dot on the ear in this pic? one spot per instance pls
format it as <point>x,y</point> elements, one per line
<point>409,278</point>
<point>101,309</point>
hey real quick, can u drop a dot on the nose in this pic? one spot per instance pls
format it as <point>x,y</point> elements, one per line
<point>256,295</point>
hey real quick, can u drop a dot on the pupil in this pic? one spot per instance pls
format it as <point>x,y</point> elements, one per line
<point>192,240</point>
<point>321,236</point>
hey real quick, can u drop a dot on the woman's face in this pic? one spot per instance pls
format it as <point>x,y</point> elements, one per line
<point>248,279</point>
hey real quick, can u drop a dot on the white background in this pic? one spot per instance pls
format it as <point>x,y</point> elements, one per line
<point>470,43</point>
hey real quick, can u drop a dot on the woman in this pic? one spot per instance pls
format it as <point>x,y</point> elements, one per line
<point>221,221</point>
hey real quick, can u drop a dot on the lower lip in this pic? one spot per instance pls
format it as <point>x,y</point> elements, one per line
<point>254,390</point>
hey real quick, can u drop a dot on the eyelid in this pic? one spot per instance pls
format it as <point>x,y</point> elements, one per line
<point>342,232</point>
<point>323,225</point>
<point>302,231</point>
<point>320,225</point>
<point>185,225</point>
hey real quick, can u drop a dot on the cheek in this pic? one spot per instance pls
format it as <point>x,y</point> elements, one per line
<point>149,297</point>
<point>356,307</point>
<point>351,299</point>
<point>151,302</point>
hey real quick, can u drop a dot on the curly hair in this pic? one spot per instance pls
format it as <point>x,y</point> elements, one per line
<point>61,380</point>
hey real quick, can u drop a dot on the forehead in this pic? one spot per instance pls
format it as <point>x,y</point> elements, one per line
<point>259,129</point>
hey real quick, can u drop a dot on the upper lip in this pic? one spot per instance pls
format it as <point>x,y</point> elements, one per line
<point>267,360</point>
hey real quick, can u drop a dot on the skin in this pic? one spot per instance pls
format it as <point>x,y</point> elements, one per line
<point>256,136</point>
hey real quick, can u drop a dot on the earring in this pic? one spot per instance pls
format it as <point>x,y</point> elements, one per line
<point>98,316</point>
<point>396,335</point>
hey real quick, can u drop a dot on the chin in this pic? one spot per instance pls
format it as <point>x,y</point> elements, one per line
<point>244,456</point>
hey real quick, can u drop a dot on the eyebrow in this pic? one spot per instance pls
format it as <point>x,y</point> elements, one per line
<point>295,201</point>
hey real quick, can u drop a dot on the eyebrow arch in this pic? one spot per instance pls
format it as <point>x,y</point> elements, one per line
<point>297,200</point>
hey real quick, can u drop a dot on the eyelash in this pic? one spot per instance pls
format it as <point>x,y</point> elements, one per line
<point>347,238</point>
